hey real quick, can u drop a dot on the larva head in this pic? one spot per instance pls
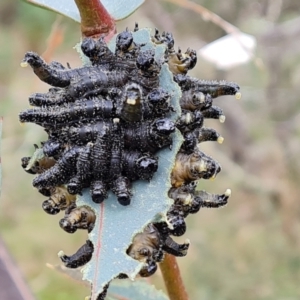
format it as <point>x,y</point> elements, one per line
<point>145,60</point>
<point>168,39</point>
<point>33,59</point>
<point>74,186</point>
<point>95,49</point>
<point>203,165</point>
<point>98,191</point>
<point>88,47</point>
<point>190,120</point>
<point>163,126</point>
<point>146,167</point>
<point>50,207</point>
<point>176,221</point>
<point>67,226</point>
<point>197,100</point>
<point>121,188</point>
<point>124,40</point>
<point>24,164</point>
<point>159,101</point>
<point>45,191</point>
<point>149,269</point>
<point>192,58</point>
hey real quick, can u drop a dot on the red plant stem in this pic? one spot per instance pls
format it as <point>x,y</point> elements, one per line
<point>171,275</point>
<point>95,20</point>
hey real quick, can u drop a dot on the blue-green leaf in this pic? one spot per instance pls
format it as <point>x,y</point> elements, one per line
<point>119,289</point>
<point>118,9</point>
<point>140,289</point>
<point>115,224</point>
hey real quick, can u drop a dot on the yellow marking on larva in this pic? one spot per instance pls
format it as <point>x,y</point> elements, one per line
<point>131,101</point>
<point>213,177</point>
<point>238,95</point>
<point>202,98</point>
<point>24,64</point>
<point>60,253</point>
<point>170,226</point>
<point>188,118</point>
<point>222,119</point>
<point>228,192</point>
<point>201,167</point>
<point>188,200</point>
<point>220,140</point>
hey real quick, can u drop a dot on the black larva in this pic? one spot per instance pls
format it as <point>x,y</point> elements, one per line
<point>82,217</point>
<point>105,123</point>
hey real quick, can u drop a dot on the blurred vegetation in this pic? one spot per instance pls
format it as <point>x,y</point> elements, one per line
<point>247,250</point>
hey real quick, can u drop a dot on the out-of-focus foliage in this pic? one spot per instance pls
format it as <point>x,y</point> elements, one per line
<point>247,250</point>
<point>0,155</point>
<point>118,9</point>
<point>230,50</point>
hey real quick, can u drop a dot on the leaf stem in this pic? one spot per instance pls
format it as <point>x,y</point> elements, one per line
<point>95,20</point>
<point>172,278</point>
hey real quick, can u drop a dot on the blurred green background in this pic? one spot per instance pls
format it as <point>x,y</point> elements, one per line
<point>247,250</point>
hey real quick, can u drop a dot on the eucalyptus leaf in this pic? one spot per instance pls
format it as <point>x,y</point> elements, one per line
<point>118,289</point>
<point>118,9</point>
<point>140,289</point>
<point>115,224</point>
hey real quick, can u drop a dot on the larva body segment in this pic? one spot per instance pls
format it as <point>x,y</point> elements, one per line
<point>61,172</point>
<point>80,257</point>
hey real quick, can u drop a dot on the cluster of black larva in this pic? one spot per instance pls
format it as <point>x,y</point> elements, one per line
<point>105,122</point>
